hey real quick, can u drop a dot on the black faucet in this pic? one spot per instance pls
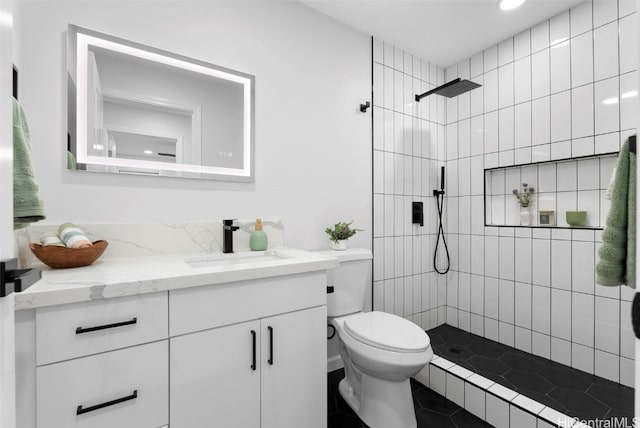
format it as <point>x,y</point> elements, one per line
<point>227,241</point>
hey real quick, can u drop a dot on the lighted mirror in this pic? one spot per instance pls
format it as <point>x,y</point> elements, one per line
<point>134,109</point>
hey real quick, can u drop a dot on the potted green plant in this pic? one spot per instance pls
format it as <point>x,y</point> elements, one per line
<point>340,233</point>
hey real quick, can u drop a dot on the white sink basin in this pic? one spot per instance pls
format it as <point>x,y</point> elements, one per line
<point>234,259</point>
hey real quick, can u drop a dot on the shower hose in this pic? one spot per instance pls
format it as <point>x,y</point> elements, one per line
<point>440,204</point>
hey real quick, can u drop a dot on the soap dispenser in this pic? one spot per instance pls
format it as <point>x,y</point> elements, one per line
<point>258,239</point>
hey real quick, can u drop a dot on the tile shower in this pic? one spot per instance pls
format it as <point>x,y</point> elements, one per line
<point>561,90</point>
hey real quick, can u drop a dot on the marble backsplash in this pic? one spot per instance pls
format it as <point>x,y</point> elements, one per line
<point>130,240</point>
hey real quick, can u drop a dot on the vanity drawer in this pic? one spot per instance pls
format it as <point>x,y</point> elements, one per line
<point>127,388</point>
<point>79,329</point>
<point>201,308</point>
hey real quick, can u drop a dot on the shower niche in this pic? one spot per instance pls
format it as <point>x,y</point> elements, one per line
<point>578,184</point>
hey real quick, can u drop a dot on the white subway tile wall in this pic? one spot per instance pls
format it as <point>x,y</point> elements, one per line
<point>409,145</point>
<point>563,89</point>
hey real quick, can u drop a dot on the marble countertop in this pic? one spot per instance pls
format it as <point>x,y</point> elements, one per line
<point>126,276</point>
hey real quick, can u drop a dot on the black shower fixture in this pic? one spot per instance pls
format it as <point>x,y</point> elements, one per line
<point>451,89</point>
<point>439,194</point>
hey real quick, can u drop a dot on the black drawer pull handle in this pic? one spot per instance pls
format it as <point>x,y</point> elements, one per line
<point>133,396</point>
<point>81,330</point>
<point>270,360</point>
<point>253,339</point>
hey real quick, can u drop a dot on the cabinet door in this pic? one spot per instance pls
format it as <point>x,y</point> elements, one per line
<point>213,383</point>
<point>294,370</point>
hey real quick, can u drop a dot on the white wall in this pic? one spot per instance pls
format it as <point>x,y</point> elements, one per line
<point>313,158</point>
<point>534,288</point>
<point>7,330</point>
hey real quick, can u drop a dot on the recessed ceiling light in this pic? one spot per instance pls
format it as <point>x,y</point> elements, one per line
<point>510,4</point>
<point>148,152</point>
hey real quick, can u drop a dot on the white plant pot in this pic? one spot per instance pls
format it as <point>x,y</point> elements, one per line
<point>525,216</point>
<point>341,245</point>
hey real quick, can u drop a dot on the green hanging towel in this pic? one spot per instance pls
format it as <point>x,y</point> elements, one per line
<point>27,205</point>
<point>616,264</point>
<point>630,274</point>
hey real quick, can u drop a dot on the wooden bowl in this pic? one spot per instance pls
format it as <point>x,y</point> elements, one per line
<point>64,257</point>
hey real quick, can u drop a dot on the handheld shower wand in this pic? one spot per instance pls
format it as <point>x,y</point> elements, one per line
<point>439,194</point>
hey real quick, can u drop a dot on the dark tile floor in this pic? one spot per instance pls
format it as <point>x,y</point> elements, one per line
<point>432,410</point>
<point>565,389</point>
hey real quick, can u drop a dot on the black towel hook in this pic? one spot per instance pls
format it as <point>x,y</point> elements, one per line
<point>364,107</point>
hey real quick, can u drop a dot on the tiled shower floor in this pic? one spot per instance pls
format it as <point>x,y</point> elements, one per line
<point>567,390</point>
<point>432,410</point>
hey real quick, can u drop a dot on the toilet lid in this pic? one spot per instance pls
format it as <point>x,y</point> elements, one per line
<point>386,331</point>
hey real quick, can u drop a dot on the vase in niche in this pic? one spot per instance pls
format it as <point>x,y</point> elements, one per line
<point>525,216</point>
<point>339,245</point>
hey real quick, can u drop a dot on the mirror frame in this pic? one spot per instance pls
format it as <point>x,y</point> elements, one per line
<point>78,41</point>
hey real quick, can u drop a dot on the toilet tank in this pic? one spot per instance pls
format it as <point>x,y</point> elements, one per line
<point>351,281</point>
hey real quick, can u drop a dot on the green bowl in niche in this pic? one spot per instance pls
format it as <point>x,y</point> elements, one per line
<point>576,218</point>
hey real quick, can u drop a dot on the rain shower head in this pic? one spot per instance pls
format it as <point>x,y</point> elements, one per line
<point>451,89</point>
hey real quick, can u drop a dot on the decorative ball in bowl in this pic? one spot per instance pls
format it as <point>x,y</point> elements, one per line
<point>64,257</point>
<point>576,218</point>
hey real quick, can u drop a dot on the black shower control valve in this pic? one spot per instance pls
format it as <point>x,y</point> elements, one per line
<point>330,289</point>
<point>417,215</point>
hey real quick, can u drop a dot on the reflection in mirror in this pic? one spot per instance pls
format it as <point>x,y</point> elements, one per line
<point>139,110</point>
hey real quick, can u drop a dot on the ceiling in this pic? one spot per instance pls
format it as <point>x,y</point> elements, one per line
<point>443,32</point>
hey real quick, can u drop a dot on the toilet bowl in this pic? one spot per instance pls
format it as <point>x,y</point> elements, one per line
<point>380,351</point>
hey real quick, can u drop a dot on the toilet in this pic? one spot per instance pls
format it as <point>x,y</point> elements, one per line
<point>380,351</point>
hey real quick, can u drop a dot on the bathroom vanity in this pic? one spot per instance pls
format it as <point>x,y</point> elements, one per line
<point>235,341</point>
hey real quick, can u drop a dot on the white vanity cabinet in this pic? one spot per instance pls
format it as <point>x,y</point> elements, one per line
<point>253,356</point>
<point>268,373</point>
<point>246,353</point>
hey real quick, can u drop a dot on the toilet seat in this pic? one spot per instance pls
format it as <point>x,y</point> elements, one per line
<point>386,331</point>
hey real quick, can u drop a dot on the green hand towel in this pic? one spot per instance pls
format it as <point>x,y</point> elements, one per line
<point>614,236</point>
<point>612,253</point>
<point>27,205</point>
<point>617,252</point>
<point>630,275</point>
<point>71,161</point>
<point>610,274</point>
